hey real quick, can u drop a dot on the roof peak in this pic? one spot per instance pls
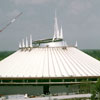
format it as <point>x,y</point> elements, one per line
<point>56,41</point>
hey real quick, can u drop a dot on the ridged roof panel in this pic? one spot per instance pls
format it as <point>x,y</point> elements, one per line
<point>49,62</point>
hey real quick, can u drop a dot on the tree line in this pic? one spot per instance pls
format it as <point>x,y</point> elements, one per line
<point>4,54</point>
<point>93,53</point>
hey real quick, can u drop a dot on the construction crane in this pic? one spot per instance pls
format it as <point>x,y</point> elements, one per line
<point>13,20</point>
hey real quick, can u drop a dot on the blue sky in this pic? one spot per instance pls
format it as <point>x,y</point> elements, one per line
<point>80,20</point>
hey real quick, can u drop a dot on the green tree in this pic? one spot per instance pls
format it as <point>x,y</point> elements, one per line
<point>93,95</point>
<point>85,86</point>
<point>4,54</point>
<point>96,91</point>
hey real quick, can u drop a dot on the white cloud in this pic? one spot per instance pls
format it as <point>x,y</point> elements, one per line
<point>93,19</point>
<point>1,17</point>
<point>78,6</point>
<point>26,2</point>
<point>13,13</point>
<point>61,3</point>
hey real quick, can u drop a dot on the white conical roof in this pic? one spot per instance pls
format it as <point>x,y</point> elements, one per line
<point>49,62</point>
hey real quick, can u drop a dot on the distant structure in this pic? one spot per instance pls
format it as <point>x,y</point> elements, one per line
<point>47,66</point>
<point>9,23</point>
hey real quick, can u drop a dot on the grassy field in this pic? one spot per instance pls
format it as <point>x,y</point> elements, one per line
<point>93,53</point>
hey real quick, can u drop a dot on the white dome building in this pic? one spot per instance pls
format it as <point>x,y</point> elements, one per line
<point>49,62</point>
<point>45,66</point>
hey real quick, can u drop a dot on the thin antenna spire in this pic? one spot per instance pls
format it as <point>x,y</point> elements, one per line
<point>26,43</point>
<point>31,41</point>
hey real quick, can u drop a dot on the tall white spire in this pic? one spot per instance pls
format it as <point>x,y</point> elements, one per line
<point>20,45</point>
<point>76,45</point>
<point>61,33</point>
<point>23,44</point>
<point>53,37</point>
<point>26,45</point>
<point>31,41</point>
<point>56,29</point>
